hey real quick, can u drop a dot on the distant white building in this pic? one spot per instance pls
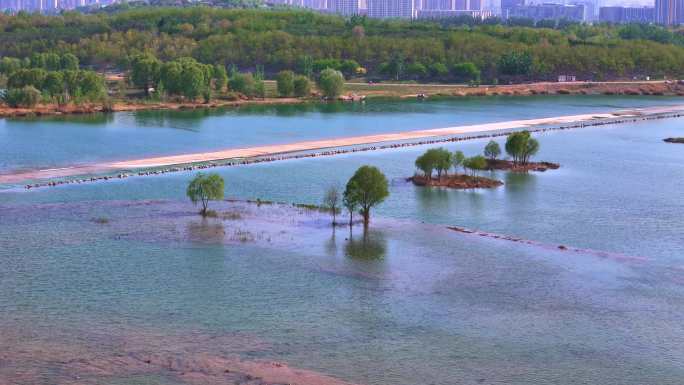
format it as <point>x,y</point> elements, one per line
<point>384,9</point>
<point>549,11</point>
<point>669,12</point>
<point>319,5</point>
<point>445,13</point>
<point>344,7</point>
<point>624,15</point>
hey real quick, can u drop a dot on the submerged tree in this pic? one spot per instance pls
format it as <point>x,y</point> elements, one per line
<point>492,150</point>
<point>331,200</point>
<point>426,165</point>
<point>350,201</point>
<point>368,187</point>
<point>457,160</point>
<point>475,163</point>
<point>521,146</point>
<point>204,188</point>
<point>442,161</point>
<point>434,159</point>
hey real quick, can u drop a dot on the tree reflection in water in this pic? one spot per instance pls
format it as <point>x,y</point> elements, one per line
<point>370,246</point>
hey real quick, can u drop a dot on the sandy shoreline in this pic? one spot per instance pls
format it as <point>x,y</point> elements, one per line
<point>280,149</point>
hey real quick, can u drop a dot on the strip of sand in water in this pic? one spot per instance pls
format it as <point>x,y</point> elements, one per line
<point>258,151</point>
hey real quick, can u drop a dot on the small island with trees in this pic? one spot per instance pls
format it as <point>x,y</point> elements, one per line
<point>674,140</point>
<point>520,146</point>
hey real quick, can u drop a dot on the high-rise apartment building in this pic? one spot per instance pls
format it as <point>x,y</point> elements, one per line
<point>383,9</point>
<point>669,12</point>
<point>507,5</point>
<point>436,4</point>
<point>625,15</point>
<point>344,7</point>
<point>315,4</point>
<point>549,11</point>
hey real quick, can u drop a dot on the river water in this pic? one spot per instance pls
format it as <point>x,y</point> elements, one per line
<point>100,271</point>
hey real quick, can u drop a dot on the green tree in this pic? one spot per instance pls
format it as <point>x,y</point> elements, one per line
<point>69,61</point>
<point>302,86</point>
<point>457,160</point>
<point>193,80</point>
<point>27,96</point>
<point>442,161</point>
<point>521,146</point>
<point>348,67</point>
<point>331,83</point>
<point>368,187</point>
<point>145,71</point>
<point>27,77</point>
<point>9,64</point>
<point>434,159</point>
<point>171,75</point>
<point>439,70</point>
<point>220,77</point>
<point>426,164</point>
<point>92,85</point>
<point>259,88</point>
<point>285,83</point>
<point>242,83</point>
<point>492,150</point>
<point>350,200</point>
<point>72,81</point>
<point>417,70</point>
<point>515,63</point>
<point>475,163</point>
<point>466,72</point>
<point>396,66</point>
<point>54,83</point>
<point>204,188</point>
<point>52,62</point>
<point>38,60</point>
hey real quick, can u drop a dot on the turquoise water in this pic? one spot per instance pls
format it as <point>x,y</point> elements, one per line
<point>412,303</point>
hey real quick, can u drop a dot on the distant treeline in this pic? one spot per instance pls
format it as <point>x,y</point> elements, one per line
<point>459,49</point>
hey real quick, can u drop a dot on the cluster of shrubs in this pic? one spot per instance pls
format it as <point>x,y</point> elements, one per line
<point>49,77</point>
<point>289,84</point>
<point>330,83</point>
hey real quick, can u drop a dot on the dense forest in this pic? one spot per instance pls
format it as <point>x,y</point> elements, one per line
<point>306,42</point>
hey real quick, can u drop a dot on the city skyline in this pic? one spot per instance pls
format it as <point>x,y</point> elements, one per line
<point>664,12</point>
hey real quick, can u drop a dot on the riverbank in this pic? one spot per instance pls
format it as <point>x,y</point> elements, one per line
<point>92,108</point>
<point>327,147</point>
<point>358,91</point>
<point>659,88</point>
<point>674,140</point>
<point>456,181</point>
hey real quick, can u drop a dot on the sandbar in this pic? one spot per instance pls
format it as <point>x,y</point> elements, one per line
<point>275,149</point>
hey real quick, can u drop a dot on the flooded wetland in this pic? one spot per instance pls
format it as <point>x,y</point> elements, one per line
<point>568,276</point>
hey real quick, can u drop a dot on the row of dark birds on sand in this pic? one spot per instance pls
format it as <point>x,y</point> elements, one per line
<point>229,163</point>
